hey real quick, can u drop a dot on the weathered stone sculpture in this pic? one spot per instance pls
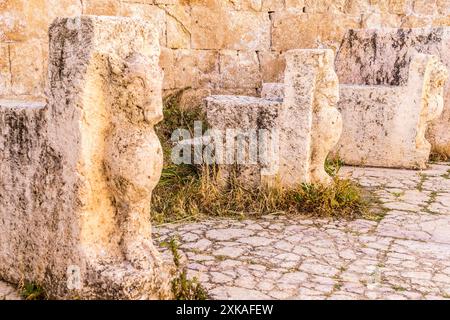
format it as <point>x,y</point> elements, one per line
<point>77,173</point>
<point>385,126</point>
<point>310,123</point>
<point>383,57</point>
<point>304,119</point>
<point>133,160</point>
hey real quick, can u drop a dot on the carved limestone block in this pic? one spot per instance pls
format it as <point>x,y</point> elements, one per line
<point>383,57</point>
<point>301,115</point>
<point>310,123</point>
<point>385,126</point>
<point>79,171</point>
<point>244,134</point>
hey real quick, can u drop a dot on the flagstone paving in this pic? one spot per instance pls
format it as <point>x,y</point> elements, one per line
<point>404,255</point>
<point>8,292</point>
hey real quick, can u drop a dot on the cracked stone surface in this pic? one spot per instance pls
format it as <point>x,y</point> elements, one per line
<point>404,255</point>
<point>8,292</point>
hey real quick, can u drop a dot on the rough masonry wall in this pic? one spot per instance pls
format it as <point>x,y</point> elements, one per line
<point>211,46</point>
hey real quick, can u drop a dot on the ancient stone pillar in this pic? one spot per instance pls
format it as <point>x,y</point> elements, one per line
<point>310,124</point>
<point>302,113</point>
<point>75,199</point>
<point>385,126</point>
<point>383,57</point>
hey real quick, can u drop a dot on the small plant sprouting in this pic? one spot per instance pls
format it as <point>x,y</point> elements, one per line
<point>398,288</point>
<point>182,287</point>
<point>333,166</point>
<point>33,291</point>
<point>186,289</point>
<point>397,194</point>
<point>173,246</point>
<point>422,180</point>
<point>439,155</point>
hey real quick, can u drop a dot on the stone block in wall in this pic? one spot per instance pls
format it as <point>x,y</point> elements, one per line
<point>325,6</point>
<point>355,7</point>
<point>243,5</point>
<point>424,7</point>
<point>150,1</point>
<point>371,20</point>
<point>73,212</point>
<point>162,1</point>
<point>272,5</point>
<point>27,68</point>
<point>311,30</point>
<point>166,61</point>
<point>13,25</point>
<point>178,27</point>
<point>416,21</point>
<point>25,24</point>
<point>441,22</point>
<point>272,65</point>
<point>47,13</point>
<point>378,20</point>
<point>239,69</point>
<point>256,5</point>
<point>402,7</point>
<point>443,7</point>
<point>22,20</point>
<point>150,14</point>
<point>195,68</point>
<point>382,57</point>
<point>177,36</point>
<point>385,126</point>
<point>236,5</point>
<point>295,4</point>
<point>102,7</point>
<point>217,28</point>
<point>185,68</point>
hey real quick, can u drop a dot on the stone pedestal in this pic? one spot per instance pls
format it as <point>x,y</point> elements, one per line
<point>385,126</point>
<point>300,113</point>
<point>77,173</point>
<point>383,57</point>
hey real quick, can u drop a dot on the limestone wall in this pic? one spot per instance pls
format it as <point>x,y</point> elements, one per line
<point>218,46</point>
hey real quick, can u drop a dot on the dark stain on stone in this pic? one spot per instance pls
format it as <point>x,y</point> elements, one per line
<point>267,117</point>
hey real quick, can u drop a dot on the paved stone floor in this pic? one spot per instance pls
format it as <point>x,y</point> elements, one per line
<point>8,292</point>
<point>406,255</point>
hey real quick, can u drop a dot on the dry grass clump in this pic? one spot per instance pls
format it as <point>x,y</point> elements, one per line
<point>194,196</point>
<point>189,192</point>
<point>176,117</point>
<point>439,154</point>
